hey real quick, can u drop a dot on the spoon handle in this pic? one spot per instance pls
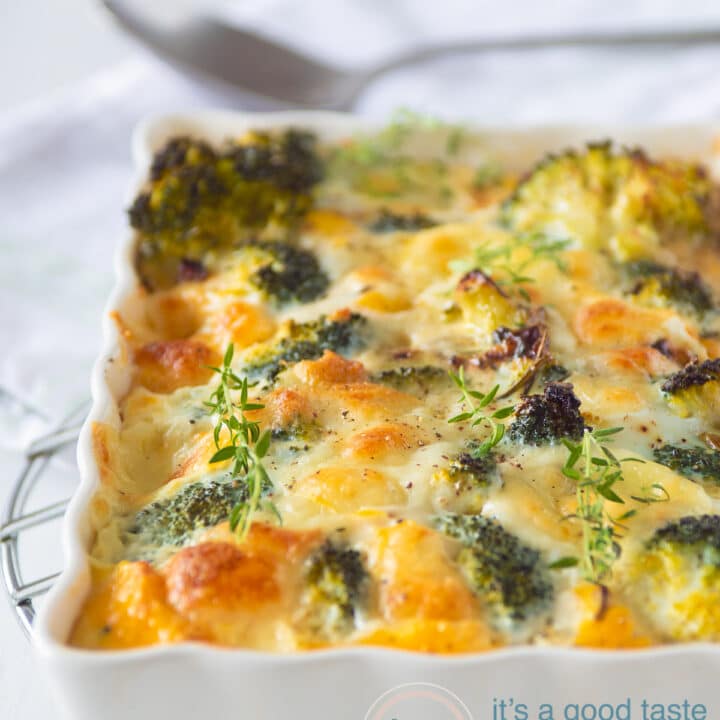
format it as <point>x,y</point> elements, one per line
<point>601,37</point>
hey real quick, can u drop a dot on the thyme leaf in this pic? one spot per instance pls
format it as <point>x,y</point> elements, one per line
<point>243,443</point>
<point>597,473</point>
<point>509,263</point>
<point>478,414</point>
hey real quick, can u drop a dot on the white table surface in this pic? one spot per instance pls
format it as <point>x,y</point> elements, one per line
<point>71,88</point>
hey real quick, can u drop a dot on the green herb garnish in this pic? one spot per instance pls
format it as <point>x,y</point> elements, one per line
<point>246,444</point>
<point>478,415</point>
<point>597,471</point>
<point>384,164</point>
<point>498,261</point>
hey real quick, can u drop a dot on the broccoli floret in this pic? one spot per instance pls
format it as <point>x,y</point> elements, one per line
<point>547,418</point>
<point>518,353</point>
<point>695,390</point>
<point>418,380</point>
<point>336,589</point>
<point>308,341</point>
<point>302,433</point>
<point>527,343</point>
<point>468,478</point>
<point>470,468</point>
<point>291,275</point>
<point>678,578</point>
<point>486,305</point>
<point>509,576</point>
<point>522,342</point>
<point>695,463</point>
<point>173,520</point>
<point>289,160</point>
<point>389,221</point>
<point>622,199</point>
<point>180,151</point>
<point>692,375</point>
<point>659,286</point>
<point>698,536</point>
<point>200,200</point>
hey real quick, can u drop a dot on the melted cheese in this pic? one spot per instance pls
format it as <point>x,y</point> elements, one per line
<point>373,464</point>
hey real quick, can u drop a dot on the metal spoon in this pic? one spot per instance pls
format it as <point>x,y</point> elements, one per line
<point>263,67</point>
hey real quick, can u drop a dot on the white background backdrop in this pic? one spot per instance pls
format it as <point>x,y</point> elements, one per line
<point>71,88</point>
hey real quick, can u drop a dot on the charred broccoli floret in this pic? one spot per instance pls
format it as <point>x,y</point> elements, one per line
<point>172,520</point>
<point>659,286</point>
<point>695,390</point>
<point>417,380</point>
<point>291,274</point>
<point>508,575</point>
<point>522,342</point>
<point>201,200</point>
<point>547,418</point>
<point>388,221</point>
<point>678,578</point>
<point>336,588</point>
<point>694,463</point>
<point>307,341</point>
<point>617,198</point>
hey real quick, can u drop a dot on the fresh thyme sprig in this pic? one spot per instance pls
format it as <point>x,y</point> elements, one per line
<point>246,444</point>
<point>596,471</point>
<point>502,263</point>
<point>478,414</point>
<point>384,164</point>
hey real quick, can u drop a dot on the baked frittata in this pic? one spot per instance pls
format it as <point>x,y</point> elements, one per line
<point>386,392</point>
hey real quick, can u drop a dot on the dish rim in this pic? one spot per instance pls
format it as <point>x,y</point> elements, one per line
<point>60,609</point>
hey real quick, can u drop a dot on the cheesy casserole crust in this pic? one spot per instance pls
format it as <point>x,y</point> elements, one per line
<point>385,392</point>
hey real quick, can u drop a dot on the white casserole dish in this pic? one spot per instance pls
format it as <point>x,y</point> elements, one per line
<point>192,680</point>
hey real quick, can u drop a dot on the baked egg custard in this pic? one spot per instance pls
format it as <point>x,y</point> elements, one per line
<point>385,391</point>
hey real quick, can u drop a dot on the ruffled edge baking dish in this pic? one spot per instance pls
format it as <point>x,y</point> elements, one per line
<point>192,680</point>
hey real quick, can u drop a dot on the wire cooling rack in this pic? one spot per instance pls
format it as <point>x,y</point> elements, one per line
<point>17,520</point>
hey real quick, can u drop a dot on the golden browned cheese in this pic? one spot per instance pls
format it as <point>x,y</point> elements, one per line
<point>284,408</point>
<point>383,441</point>
<point>420,345</point>
<point>347,489</point>
<point>432,636</point>
<point>608,322</point>
<point>418,579</point>
<point>330,369</point>
<point>219,576</point>
<point>371,400</point>
<point>607,625</point>
<point>211,592</point>
<point>128,607</point>
<point>239,323</point>
<point>165,366</point>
